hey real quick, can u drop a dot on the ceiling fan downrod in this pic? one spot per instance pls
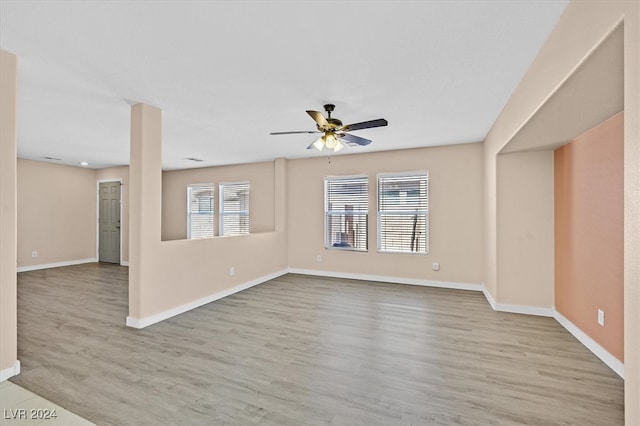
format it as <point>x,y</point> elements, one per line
<point>329,108</point>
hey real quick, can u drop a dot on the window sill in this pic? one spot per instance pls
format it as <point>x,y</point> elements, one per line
<point>410,253</point>
<point>347,249</point>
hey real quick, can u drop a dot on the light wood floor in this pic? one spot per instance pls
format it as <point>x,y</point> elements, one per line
<point>304,350</point>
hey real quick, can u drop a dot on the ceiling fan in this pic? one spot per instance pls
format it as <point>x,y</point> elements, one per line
<point>334,132</point>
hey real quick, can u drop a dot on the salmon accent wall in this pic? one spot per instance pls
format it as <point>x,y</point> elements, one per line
<point>589,232</point>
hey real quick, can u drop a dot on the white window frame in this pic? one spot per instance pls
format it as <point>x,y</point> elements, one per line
<point>190,187</point>
<point>328,214</point>
<point>380,176</point>
<point>223,213</point>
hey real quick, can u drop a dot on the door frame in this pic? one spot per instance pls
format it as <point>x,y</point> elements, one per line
<point>98,182</point>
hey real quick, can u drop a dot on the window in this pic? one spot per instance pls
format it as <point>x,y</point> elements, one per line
<point>346,212</point>
<point>403,213</point>
<point>234,208</point>
<point>200,211</point>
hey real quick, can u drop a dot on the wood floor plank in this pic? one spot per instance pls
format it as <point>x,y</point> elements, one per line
<point>303,350</point>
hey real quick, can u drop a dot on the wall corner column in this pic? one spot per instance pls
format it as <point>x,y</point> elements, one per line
<point>145,204</point>
<point>9,364</point>
<point>280,186</point>
<point>632,213</point>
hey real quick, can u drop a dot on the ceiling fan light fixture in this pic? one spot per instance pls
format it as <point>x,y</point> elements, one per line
<point>330,140</point>
<point>319,143</point>
<point>338,146</point>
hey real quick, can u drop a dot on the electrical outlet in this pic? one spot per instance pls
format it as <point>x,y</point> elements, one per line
<point>232,271</point>
<point>436,266</point>
<point>319,258</point>
<point>601,317</point>
<point>34,254</point>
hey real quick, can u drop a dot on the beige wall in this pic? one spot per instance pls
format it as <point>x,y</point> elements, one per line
<point>56,213</point>
<point>580,30</point>
<point>165,275</point>
<point>174,195</point>
<point>8,209</point>
<point>525,236</point>
<point>455,214</point>
<point>589,232</point>
<point>68,231</point>
<point>120,173</point>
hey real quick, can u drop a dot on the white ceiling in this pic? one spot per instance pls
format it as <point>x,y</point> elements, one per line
<point>226,74</point>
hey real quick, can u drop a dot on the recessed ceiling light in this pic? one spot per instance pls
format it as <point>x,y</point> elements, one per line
<point>84,163</point>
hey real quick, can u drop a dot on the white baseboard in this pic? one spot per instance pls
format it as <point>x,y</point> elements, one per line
<point>386,279</point>
<point>56,264</point>
<point>7,373</point>
<point>616,365</point>
<point>588,342</point>
<point>147,321</point>
<point>516,309</point>
<point>124,263</point>
<point>489,297</point>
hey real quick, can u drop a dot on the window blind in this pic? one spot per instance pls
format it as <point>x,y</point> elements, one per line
<point>346,212</point>
<point>403,213</point>
<point>234,208</point>
<point>200,211</point>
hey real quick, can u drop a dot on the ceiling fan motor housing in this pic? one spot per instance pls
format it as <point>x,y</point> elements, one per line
<point>334,122</point>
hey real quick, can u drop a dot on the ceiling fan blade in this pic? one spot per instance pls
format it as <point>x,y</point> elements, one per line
<point>364,125</point>
<point>318,118</point>
<point>354,140</point>
<point>294,133</point>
